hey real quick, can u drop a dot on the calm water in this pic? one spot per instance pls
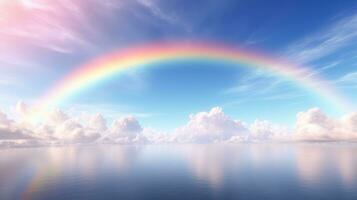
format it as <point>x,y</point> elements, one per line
<point>245,171</point>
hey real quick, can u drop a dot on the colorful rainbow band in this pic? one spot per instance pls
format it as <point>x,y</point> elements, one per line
<point>107,65</point>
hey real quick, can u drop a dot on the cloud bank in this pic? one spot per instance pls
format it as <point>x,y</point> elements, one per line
<point>213,126</point>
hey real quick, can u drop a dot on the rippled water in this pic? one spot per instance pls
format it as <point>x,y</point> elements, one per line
<point>244,171</point>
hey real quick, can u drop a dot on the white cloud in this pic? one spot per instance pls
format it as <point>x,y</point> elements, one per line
<point>98,123</point>
<point>31,27</point>
<point>157,137</point>
<point>253,82</point>
<point>9,129</point>
<point>213,126</point>
<point>47,24</point>
<point>125,130</point>
<point>22,108</point>
<point>157,11</point>
<point>5,122</point>
<point>348,80</point>
<point>59,127</point>
<point>71,130</point>
<point>314,125</point>
<point>262,130</point>
<point>324,42</point>
<point>260,86</point>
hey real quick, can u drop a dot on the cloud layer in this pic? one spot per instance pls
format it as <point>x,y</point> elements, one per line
<point>213,126</point>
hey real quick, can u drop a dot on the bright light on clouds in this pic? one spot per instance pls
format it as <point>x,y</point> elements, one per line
<point>42,41</point>
<point>213,126</point>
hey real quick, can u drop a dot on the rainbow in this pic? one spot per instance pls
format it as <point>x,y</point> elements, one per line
<point>104,67</point>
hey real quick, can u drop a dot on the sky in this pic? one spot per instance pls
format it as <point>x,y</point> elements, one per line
<point>42,41</point>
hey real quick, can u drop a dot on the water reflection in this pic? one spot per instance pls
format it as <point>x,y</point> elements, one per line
<point>207,162</point>
<point>317,163</point>
<point>24,172</point>
<point>173,171</point>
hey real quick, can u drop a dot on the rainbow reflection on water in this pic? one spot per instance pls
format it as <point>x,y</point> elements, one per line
<point>247,171</point>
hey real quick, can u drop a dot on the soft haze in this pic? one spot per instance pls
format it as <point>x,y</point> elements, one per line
<point>178,99</point>
<point>42,41</point>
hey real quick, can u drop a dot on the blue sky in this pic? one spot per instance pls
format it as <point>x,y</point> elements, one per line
<point>45,44</point>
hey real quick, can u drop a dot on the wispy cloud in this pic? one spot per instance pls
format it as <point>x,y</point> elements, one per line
<point>348,80</point>
<point>61,26</point>
<point>325,42</point>
<point>4,82</point>
<point>167,16</point>
<point>251,83</point>
<point>260,86</point>
<point>41,23</point>
<point>157,11</point>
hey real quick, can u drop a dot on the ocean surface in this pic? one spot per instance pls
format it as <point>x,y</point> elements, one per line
<point>241,171</point>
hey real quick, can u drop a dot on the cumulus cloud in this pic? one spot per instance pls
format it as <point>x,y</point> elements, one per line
<point>5,122</point>
<point>212,126</point>
<point>317,126</point>
<point>264,130</point>
<point>125,130</point>
<point>61,128</point>
<point>9,129</point>
<point>98,123</point>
